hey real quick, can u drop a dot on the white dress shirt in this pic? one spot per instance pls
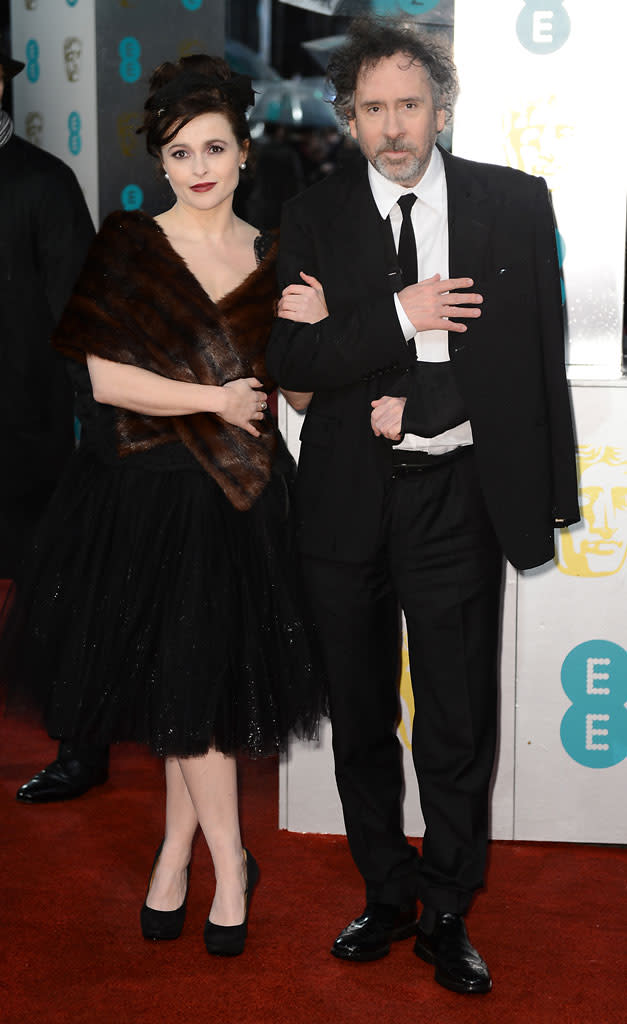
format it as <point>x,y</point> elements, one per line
<point>429,216</point>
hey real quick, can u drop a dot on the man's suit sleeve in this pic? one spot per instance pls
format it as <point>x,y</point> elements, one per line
<point>565,490</point>
<point>356,341</point>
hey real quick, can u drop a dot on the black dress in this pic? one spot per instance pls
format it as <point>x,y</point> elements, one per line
<point>150,609</point>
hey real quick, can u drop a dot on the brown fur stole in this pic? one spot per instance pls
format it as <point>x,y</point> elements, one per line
<point>136,302</point>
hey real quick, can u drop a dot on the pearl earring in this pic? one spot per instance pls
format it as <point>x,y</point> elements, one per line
<point>242,167</point>
<point>166,176</point>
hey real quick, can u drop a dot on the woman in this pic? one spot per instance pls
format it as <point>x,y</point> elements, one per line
<point>159,603</point>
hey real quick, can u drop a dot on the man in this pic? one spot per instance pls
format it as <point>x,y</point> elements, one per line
<point>46,231</point>
<point>418,471</point>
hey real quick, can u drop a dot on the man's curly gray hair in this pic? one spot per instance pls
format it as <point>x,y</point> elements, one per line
<point>369,41</point>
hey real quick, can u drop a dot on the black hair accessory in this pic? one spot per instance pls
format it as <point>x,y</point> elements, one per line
<point>237,89</point>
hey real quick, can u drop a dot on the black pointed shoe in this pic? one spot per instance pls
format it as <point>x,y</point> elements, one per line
<point>368,937</point>
<point>229,940</point>
<point>458,965</point>
<point>63,779</point>
<point>162,924</point>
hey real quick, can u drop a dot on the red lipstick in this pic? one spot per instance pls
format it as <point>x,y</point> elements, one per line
<point>203,186</point>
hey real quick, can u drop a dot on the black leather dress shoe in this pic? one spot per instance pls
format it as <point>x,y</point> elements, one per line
<point>63,780</point>
<point>458,965</point>
<point>368,937</point>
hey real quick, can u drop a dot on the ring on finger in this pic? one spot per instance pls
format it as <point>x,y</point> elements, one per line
<point>263,406</point>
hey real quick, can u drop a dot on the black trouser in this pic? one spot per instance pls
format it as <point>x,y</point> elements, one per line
<point>440,561</point>
<point>88,754</point>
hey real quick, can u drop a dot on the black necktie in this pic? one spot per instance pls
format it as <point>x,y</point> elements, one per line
<point>407,255</point>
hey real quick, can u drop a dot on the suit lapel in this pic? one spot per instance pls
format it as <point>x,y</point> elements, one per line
<point>362,241</point>
<point>469,220</point>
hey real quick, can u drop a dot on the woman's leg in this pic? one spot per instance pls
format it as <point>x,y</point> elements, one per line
<point>211,783</point>
<point>169,882</point>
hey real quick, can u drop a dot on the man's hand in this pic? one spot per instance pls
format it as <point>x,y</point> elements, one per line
<point>430,303</point>
<point>303,303</point>
<point>386,417</point>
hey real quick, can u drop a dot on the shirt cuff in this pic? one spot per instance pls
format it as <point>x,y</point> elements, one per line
<point>407,327</point>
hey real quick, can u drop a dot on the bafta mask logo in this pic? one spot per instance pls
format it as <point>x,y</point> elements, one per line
<point>31,5</point>
<point>537,140</point>
<point>600,547</point>
<point>72,52</point>
<point>127,137</point>
<point>34,127</point>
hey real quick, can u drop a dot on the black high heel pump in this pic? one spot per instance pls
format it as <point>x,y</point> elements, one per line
<point>229,940</point>
<point>162,924</point>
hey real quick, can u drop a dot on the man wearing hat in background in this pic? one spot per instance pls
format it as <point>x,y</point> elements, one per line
<point>46,231</point>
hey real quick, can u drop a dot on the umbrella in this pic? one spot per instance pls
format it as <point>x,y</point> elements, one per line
<point>245,61</point>
<point>295,102</point>
<point>321,49</point>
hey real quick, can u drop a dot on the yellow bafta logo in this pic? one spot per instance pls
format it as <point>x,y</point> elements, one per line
<point>598,545</point>
<point>187,47</point>
<point>536,139</point>
<point>127,137</point>
<point>407,696</point>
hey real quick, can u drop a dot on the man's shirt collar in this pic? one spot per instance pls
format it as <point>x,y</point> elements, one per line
<point>429,189</point>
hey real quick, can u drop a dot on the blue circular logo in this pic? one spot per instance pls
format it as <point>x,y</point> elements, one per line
<point>130,65</point>
<point>192,5</point>
<point>74,142</point>
<point>594,729</point>
<point>71,3</point>
<point>409,6</point>
<point>543,26</point>
<point>132,197</point>
<point>32,60</point>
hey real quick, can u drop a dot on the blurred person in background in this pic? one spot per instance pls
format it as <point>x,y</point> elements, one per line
<point>46,232</point>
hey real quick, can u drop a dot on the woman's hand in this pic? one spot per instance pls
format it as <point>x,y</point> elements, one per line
<point>303,303</point>
<point>243,403</point>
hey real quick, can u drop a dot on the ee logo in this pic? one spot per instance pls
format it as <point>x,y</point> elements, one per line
<point>130,52</point>
<point>71,3</point>
<point>594,729</point>
<point>543,25</point>
<point>74,141</point>
<point>409,6</point>
<point>132,197</point>
<point>561,252</point>
<point>32,60</point>
<point>192,5</point>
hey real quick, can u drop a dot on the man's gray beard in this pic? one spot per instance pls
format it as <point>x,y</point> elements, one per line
<point>409,172</point>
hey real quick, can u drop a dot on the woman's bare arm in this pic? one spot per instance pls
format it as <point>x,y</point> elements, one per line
<point>131,387</point>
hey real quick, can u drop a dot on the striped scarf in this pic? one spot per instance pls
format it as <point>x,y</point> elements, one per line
<point>6,127</point>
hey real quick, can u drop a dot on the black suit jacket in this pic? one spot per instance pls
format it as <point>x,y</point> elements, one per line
<point>45,232</point>
<point>508,365</point>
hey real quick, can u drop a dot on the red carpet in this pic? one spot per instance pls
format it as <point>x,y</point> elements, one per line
<point>552,923</point>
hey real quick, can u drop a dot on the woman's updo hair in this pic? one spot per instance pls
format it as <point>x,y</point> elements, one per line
<point>195,85</point>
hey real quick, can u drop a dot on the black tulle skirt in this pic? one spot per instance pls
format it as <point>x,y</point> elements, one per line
<point>150,609</point>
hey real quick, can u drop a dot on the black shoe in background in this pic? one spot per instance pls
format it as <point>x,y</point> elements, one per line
<point>73,773</point>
